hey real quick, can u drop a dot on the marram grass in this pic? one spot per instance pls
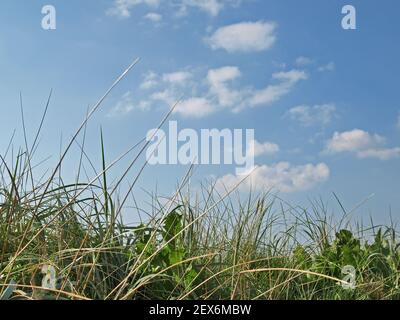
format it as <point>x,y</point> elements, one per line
<point>219,251</point>
<point>69,241</point>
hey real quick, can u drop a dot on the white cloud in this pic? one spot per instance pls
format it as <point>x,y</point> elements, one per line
<point>218,79</point>
<point>219,90</point>
<point>257,149</point>
<point>179,77</point>
<point>353,141</point>
<point>283,177</point>
<point>237,100</point>
<point>292,76</point>
<point>328,67</point>
<point>315,115</point>
<point>273,93</point>
<point>122,8</point>
<point>303,61</point>
<point>212,7</point>
<point>153,16</point>
<point>167,96</point>
<point>244,37</point>
<point>361,143</point>
<point>126,105</point>
<point>381,154</point>
<point>150,81</point>
<point>217,76</point>
<point>194,108</point>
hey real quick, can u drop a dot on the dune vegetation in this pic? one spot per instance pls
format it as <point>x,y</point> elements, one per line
<point>63,240</point>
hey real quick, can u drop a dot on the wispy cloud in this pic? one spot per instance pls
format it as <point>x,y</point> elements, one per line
<point>303,61</point>
<point>212,7</point>
<point>308,116</point>
<point>381,154</point>
<point>327,67</point>
<point>123,8</point>
<point>273,93</point>
<point>150,81</point>
<point>127,104</point>
<point>154,17</point>
<point>218,90</point>
<point>237,99</point>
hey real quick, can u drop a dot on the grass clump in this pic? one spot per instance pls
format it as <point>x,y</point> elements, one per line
<point>219,251</point>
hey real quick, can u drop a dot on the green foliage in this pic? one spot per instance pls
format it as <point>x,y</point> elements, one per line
<point>163,248</point>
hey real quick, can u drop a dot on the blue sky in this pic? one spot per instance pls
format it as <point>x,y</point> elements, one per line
<point>323,100</point>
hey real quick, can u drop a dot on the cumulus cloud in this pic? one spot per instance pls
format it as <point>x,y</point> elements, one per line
<point>194,107</point>
<point>353,141</point>
<point>361,143</point>
<point>179,77</point>
<point>312,115</point>
<point>256,149</point>
<point>283,177</point>
<point>244,37</point>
